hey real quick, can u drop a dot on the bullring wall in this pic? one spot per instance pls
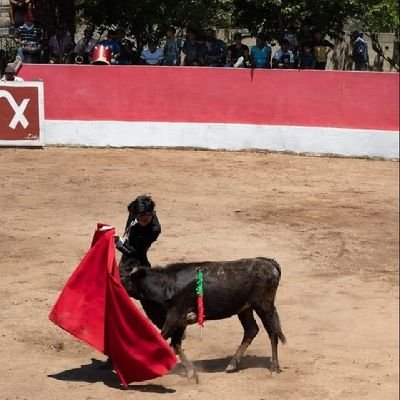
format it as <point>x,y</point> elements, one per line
<point>335,112</point>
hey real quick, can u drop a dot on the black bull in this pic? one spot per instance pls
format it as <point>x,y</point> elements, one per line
<point>168,296</point>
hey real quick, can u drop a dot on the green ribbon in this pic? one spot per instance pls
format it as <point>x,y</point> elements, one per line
<point>199,282</point>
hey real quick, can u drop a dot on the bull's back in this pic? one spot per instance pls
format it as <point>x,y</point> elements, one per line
<point>230,286</point>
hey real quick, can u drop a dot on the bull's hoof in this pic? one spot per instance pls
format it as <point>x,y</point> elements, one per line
<point>193,375</point>
<point>233,366</point>
<point>275,368</point>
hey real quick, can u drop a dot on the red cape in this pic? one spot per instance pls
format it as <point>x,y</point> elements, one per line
<point>94,307</point>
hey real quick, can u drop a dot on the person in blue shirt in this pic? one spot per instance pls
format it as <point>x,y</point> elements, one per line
<point>260,54</point>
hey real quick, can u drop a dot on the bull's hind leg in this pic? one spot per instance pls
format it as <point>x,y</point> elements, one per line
<point>270,319</point>
<point>250,332</point>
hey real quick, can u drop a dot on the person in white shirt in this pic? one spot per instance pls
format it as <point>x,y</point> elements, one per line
<point>152,55</point>
<point>84,47</point>
<point>283,58</point>
<point>9,75</point>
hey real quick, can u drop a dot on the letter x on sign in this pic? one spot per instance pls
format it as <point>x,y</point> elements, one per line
<point>19,110</point>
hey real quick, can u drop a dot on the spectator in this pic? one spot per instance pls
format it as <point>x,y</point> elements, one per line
<point>193,50</point>
<point>28,37</point>
<point>172,48</point>
<point>112,44</point>
<point>238,53</point>
<point>360,52</point>
<point>307,59</point>
<point>152,55</point>
<point>83,49</point>
<point>9,75</point>
<point>291,36</point>
<point>284,57</point>
<point>215,50</point>
<point>60,46</point>
<point>260,54</point>
<point>322,47</point>
<point>211,36</point>
<point>125,47</point>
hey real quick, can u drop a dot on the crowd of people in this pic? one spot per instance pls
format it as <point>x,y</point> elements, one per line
<point>305,49</point>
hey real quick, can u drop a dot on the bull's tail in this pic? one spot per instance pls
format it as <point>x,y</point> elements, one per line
<point>277,327</point>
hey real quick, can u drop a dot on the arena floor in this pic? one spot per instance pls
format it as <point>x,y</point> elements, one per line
<point>331,223</point>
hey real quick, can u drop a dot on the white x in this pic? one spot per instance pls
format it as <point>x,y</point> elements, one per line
<point>19,116</point>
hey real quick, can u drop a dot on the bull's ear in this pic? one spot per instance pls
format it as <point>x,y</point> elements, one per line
<point>130,205</point>
<point>138,272</point>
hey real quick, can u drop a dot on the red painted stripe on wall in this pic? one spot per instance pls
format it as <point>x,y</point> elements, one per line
<point>219,95</point>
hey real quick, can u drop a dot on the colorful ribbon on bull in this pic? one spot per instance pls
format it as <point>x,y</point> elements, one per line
<point>200,303</point>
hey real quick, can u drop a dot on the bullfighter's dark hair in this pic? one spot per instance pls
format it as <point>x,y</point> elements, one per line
<point>142,204</point>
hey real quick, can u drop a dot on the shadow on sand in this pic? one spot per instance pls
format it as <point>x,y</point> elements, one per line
<point>220,364</point>
<point>97,371</point>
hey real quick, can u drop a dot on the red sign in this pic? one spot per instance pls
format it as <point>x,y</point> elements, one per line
<point>20,114</point>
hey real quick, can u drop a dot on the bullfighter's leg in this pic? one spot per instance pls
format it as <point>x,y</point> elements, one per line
<point>251,329</point>
<point>270,320</point>
<point>176,342</point>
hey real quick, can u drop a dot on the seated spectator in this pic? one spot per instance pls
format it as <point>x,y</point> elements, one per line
<point>28,37</point>
<point>152,55</point>
<point>283,58</point>
<point>215,50</point>
<point>9,75</point>
<point>193,50</point>
<point>172,48</point>
<point>84,47</point>
<point>307,59</point>
<point>112,44</point>
<point>60,46</point>
<point>260,54</point>
<point>322,47</point>
<point>238,53</point>
<point>360,52</point>
<point>125,47</point>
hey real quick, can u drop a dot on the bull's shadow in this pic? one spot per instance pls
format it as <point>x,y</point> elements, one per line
<point>95,372</point>
<point>219,364</point>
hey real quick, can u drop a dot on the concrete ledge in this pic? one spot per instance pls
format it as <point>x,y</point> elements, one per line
<point>311,140</point>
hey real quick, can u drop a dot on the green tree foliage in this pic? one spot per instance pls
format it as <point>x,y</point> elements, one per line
<point>144,18</point>
<point>375,16</point>
<point>275,16</point>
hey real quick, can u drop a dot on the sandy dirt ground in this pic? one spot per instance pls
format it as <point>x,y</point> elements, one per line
<point>331,223</point>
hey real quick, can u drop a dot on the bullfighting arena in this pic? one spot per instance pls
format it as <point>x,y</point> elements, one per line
<point>331,223</point>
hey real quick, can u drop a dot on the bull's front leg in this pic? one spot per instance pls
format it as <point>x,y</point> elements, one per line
<point>191,371</point>
<point>174,328</point>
